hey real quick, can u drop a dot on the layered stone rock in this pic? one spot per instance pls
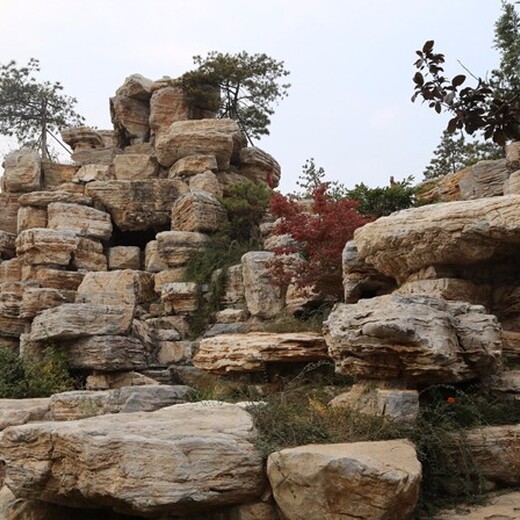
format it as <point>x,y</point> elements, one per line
<point>109,380</point>
<point>512,186</point>
<point>11,270</point>
<point>198,211</point>
<point>31,217</point>
<point>124,257</point>
<point>135,167</point>
<point>11,322</point>
<point>233,295</point>
<point>413,338</point>
<point>487,179</point>
<point>167,105</point>
<point>52,278</point>
<point>180,297</point>
<point>263,299</point>
<point>7,245</point>
<point>259,166</point>
<point>69,406</point>
<point>376,480</point>
<point>253,352</point>
<point>130,119</point>
<point>46,246</point>
<point>193,164</point>
<point>55,174</point>
<point>208,182</point>
<point>152,259</point>
<point>22,171</point>
<point>94,172</point>
<point>14,412</point>
<point>175,247</point>
<point>220,137</point>
<point>82,138</point>
<point>206,456</point>
<point>37,299</point>
<point>9,217</point>
<point>136,86</point>
<point>136,205</point>
<point>90,256</point>
<point>41,199</point>
<point>456,233</point>
<point>173,275</point>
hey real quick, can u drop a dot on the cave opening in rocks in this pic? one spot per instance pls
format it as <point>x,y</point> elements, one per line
<point>134,238</point>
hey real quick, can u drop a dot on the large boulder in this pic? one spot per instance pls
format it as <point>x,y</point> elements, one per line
<point>372,480</point>
<point>168,105</point>
<point>258,166</point>
<point>454,233</point>
<point>22,171</point>
<point>177,460</point>
<point>253,352</point>
<point>46,246</point>
<point>175,247</point>
<point>198,211</point>
<point>130,118</point>
<point>14,412</point>
<point>9,216</point>
<point>415,338</point>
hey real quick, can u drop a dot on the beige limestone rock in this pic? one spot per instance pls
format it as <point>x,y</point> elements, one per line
<point>263,299</point>
<point>7,245</point>
<point>55,174</point>
<point>220,137</point>
<point>380,401</point>
<point>458,233</point>
<point>513,155</point>
<point>487,179</point>
<point>167,105</point>
<point>193,164</point>
<point>124,257</point>
<point>229,178</point>
<point>82,138</point>
<point>9,214</point>
<point>11,270</point>
<point>175,352</point>
<point>22,171</point>
<point>94,172</point>
<point>80,404</point>
<point>52,278</point>
<point>180,459</point>
<point>502,506</point>
<point>168,323</point>
<point>135,167</point>
<point>108,380</point>
<point>510,345</point>
<point>21,411</point>
<point>31,217</point>
<point>82,220</point>
<point>512,186</point>
<point>259,166</point>
<point>180,297</point>
<point>11,322</point>
<point>506,384</point>
<point>90,256</point>
<point>36,300</point>
<point>198,211</point>
<point>206,181</point>
<point>233,294</point>
<point>168,276</point>
<point>46,246</point>
<point>253,352</point>
<point>41,199</point>
<point>372,480</point>
<point>71,187</point>
<point>104,156</point>
<point>130,118</point>
<point>415,338</point>
<point>136,205</point>
<point>152,260</point>
<point>442,189</point>
<point>73,320</point>
<point>136,86</point>
<point>175,247</point>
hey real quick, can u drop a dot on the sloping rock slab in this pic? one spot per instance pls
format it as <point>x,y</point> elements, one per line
<point>499,507</point>
<point>181,459</point>
<point>20,411</point>
<point>360,480</point>
<point>418,338</point>
<point>254,351</point>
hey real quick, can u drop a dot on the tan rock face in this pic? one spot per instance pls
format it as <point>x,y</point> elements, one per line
<point>136,86</point>
<point>82,220</point>
<point>415,338</point>
<point>180,297</point>
<point>31,217</point>
<point>41,199</point>
<point>152,260</point>
<point>9,216</point>
<point>487,179</point>
<point>198,211</point>
<point>107,380</point>
<point>259,166</point>
<point>206,181</point>
<point>263,298</point>
<point>52,278</point>
<point>181,459</point>
<point>21,411</point>
<point>253,352</point>
<point>124,257</point>
<point>73,320</point>
<point>136,205</point>
<point>134,167</point>
<point>175,247</point>
<point>46,246</point>
<point>193,165</point>
<point>503,506</point>
<point>90,256</point>
<point>22,171</point>
<point>234,288</point>
<point>130,118</point>
<point>11,270</point>
<point>82,137</point>
<point>220,137</point>
<point>167,105</point>
<point>94,172</point>
<point>376,480</point>
<point>36,300</point>
<point>55,174</point>
<point>458,233</point>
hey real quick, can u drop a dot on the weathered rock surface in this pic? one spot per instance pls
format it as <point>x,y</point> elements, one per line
<point>415,338</point>
<point>90,256</point>
<point>52,278</point>
<point>82,137</point>
<point>9,217</point>
<point>175,247</point>
<point>487,179</point>
<point>180,297</point>
<point>73,320</point>
<point>21,411</point>
<point>41,199</point>
<point>134,166</point>
<point>108,380</point>
<point>22,171</point>
<point>82,220</point>
<point>263,298</point>
<point>55,174</point>
<point>37,299</point>
<point>167,105</point>
<point>253,352</point>
<point>206,181</point>
<point>7,245</point>
<point>458,233</point>
<point>372,480</point>
<point>259,166</point>
<point>124,257</point>
<point>80,404</point>
<point>181,459</point>
<point>31,217</point>
<point>498,507</point>
<point>136,86</point>
<point>46,246</point>
<point>130,118</point>
<point>220,137</point>
<point>94,172</point>
<point>198,211</point>
<point>136,205</point>
<point>193,165</point>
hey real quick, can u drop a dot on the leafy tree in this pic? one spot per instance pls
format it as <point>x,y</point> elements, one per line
<point>249,85</point>
<point>32,110</point>
<point>492,106</point>
<point>455,152</point>
<point>320,236</point>
<point>311,178</point>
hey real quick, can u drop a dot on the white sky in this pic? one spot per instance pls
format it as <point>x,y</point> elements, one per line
<point>351,65</point>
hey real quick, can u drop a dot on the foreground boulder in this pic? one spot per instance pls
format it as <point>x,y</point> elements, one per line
<point>181,459</point>
<point>369,480</point>
<point>415,338</point>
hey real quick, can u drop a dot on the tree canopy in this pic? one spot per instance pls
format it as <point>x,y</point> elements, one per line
<point>32,110</point>
<point>249,86</point>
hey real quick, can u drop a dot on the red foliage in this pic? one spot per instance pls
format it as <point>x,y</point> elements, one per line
<point>320,236</point>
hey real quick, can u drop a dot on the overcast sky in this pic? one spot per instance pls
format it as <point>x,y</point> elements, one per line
<point>351,65</point>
